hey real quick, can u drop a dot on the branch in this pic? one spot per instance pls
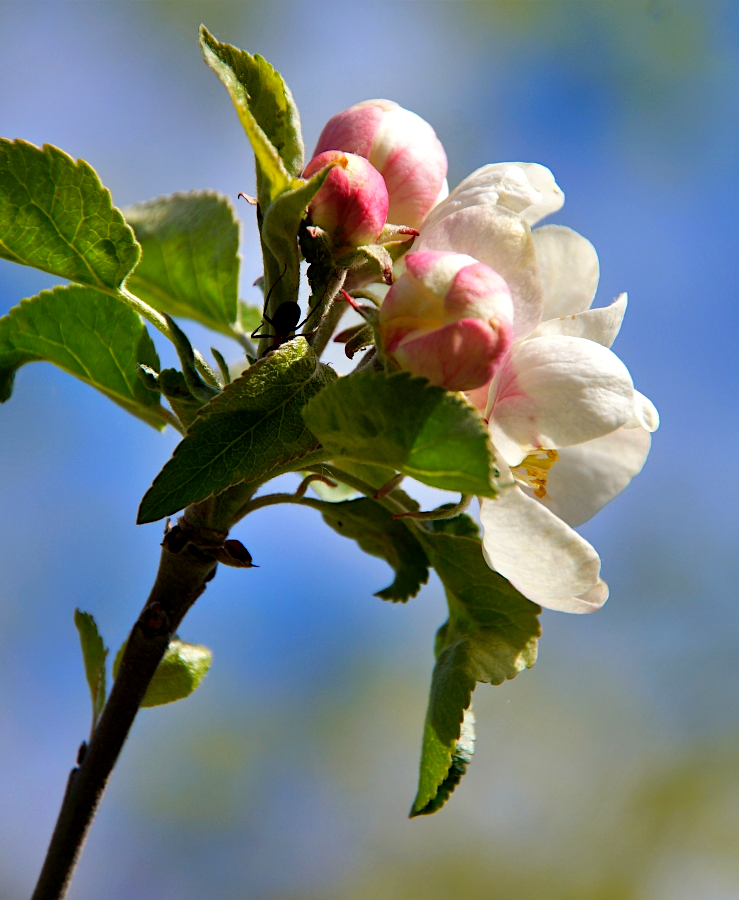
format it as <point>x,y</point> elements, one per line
<point>186,565</point>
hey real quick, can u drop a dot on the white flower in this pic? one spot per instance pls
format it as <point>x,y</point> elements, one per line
<point>568,428</point>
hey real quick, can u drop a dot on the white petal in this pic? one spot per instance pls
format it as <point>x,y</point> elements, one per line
<point>502,240</point>
<point>541,556</point>
<point>589,602</point>
<point>601,324</point>
<point>569,270</point>
<point>645,414</point>
<point>587,476</point>
<point>493,185</point>
<point>555,391</point>
<point>442,195</point>
<point>552,197</point>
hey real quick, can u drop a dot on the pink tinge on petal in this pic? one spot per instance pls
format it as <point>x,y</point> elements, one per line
<point>422,264</point>
<point>459,357</point>
<point>508,391</point>
<point>557,391</point>
<point>500,239</point>
<point>413,181</point>
<point>352,204</point>
<point>396,330</point>
<point>352,130</point>
<point>401,145</point>
<point>478,397</point>
<point>474,286</point>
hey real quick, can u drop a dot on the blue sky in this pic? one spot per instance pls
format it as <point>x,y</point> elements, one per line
<point>290,772</point>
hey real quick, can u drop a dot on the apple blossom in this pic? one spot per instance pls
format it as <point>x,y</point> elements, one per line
<point>352,204</point>
<point>402,146</point>
<point>447,318</point>
<point>568,429</point>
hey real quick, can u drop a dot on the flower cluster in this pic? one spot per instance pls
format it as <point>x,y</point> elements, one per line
<point>488,306</point>
<point>389,167</point>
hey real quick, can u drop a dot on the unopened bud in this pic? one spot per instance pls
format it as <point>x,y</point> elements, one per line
<point>448,319</point>
<point>352,204</point>
<point>402,146</point>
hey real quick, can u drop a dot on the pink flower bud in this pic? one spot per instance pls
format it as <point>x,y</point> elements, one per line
<point>401,146</point>
<point>447,318</point>
<point>352,203</point>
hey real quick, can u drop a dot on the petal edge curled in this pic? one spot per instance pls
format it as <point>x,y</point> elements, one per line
<point>540,555</point>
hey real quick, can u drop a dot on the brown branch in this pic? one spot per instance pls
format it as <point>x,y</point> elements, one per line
<point>186,565</point>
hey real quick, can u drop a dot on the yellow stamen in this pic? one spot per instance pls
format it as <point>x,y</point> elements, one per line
<point>534,470</point>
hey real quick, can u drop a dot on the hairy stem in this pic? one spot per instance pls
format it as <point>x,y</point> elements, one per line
<point>161,324</point>
<point>181,579</point>
<point>171,419</point>
<point>447,512</point>
<point>331,318</point>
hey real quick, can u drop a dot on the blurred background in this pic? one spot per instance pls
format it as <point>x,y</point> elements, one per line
<point>608,772</point>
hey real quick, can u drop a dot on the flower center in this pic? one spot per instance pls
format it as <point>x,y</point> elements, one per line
<point>533,472</point>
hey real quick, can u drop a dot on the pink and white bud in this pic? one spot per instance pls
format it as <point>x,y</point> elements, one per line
<point>352,203</point>
<point>448,318</point>
<point>402,146</point>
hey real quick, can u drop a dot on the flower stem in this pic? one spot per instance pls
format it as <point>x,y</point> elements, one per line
<point>331,318</point>
<point>444,512</point>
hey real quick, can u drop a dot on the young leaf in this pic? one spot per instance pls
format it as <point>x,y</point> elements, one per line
<point>56,216</point>
<point>94,654</point>
<point>279,234</point>
<point>442,765</point>
<point>490,636</point>
<point>180,672</point>
<point>190,261</point>
<point>87,334</point>
<point>337,494</point>
<point>171,383</point>
<point>374,529</point>
<point>408,425</point>
<point>251,427</point>
<point>267,111</point>
<point>250,317</point>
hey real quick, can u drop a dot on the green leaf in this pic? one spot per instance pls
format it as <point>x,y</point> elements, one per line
<point>94,654</point>
<point>56,216</point>
<point>498,624</point>
<point>250,428</point>
<point>267,111</point>
<point>279,233</point>
<point>190,261</point>
<point>172,384</point>
<point>250,317</point>
<point>332,494</point>
<point>180,672</point>
<point>442,766</point>
<point>87,334</point>
<point>373,528</point>
<point>406,424</point>
<point>491,635</point>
